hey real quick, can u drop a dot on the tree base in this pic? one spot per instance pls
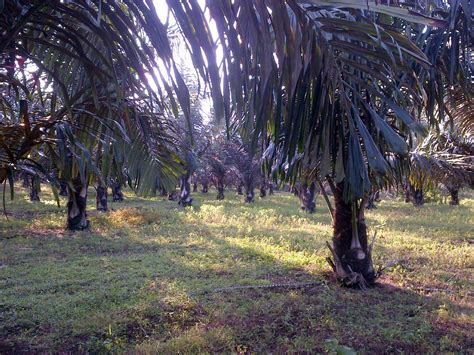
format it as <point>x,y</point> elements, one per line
<point>306,195</point>
<point>34,189</point>
<point>356,271</point>
<point>249,196</point>
<point>185,195</point>
<point>76,207</point>
<point>186,202</point>
<point>101,199</point>
<point>34,197</point>
<point>454,193</point>
<point>63,189</point>
<point>82,225</point>
<point>117,194</point>
<point>220,192</point>
<point>351,251</point>
<point>173,196</point>
<point>418,199</point>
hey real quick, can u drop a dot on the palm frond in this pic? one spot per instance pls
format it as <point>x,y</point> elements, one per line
<point>98,59</point>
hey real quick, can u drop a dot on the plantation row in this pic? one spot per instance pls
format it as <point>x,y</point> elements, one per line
<point>352,98</point>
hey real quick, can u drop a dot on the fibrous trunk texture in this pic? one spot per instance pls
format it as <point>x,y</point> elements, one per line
<point>101,198</point>
<point>76,206</point>
<point>352,255</point>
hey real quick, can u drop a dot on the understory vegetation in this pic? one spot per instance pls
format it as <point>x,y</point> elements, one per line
<point>147,276</point>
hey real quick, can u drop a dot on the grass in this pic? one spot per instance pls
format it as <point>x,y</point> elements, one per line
<point>142,279</point>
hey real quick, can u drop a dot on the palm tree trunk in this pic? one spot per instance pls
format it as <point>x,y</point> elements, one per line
<point>454,193</point>
<point>185,187</point>
<point>352,255</point>
<point>101,198</point>
<point>163,191</point>
<point>270,188</point>
<point>306,196</point>
<point>3,174</point>
<point>240,187</point>
<point>220,189</point>
<point>249,193</point>
<point>26,181</point>
<point>76,206</point>
<point>117,194</point>
<point>62,188</point>
<point>34,188</point>
<point>407,192</point>
<point>418,198</point>
<point>373,197</point>
<point>294,191</point>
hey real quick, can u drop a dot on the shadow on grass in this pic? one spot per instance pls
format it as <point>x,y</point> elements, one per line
<point>150,286</point>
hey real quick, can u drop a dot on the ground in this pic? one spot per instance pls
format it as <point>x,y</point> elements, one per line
<point>143,279</point>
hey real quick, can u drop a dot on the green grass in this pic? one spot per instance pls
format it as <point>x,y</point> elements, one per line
<point>139,281</point>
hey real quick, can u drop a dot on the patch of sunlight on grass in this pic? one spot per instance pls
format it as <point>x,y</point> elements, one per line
<point>126,217</point>
<point>142,279</point>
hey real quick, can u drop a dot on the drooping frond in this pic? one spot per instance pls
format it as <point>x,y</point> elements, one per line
<point>460,109</point>
<point>88,62</point>
<point>334,85</point>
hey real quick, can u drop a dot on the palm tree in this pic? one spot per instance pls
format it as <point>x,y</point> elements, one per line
<point>218,170</point>
<point>338,88</point>
<point>341,88</point>
<point>245,166</point>
<point>307,194</point>
<point>91,65</point>
<point>445,158</point>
